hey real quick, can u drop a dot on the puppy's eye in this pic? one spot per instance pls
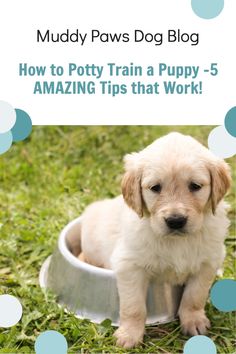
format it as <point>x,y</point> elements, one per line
<point>194,187</point>
<point>156,188</point>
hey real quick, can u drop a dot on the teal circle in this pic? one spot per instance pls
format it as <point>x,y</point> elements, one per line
<point>50,342</point>
<point>207,9</point>
<point>223,295</point>
<point>199,345</point>
<point>5,142</point>
<point>23,126</point>
<point>230,122</point>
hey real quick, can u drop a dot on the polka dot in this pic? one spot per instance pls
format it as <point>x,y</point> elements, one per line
<point>5,142</point>
<point>230,122</point>
<point>223,295</point>
<point>221,143</point>
<point>51,342</point>
<point>199,344</point>
<point>22,127</point>
<point>207,9</point>
<point>7,117</point>
<point>10,311</point>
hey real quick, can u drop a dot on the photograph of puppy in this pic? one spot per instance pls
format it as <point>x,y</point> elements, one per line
<point>170,223</point>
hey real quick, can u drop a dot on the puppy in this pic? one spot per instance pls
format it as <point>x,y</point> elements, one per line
<point>170,223</point>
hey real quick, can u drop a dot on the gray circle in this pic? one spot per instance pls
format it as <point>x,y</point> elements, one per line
<point>10,311</point>
<point>221,143</point>
<point>7,117</point>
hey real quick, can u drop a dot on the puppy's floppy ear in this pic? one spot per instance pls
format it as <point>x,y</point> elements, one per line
<point>131,184</point>
<point>220,182</point>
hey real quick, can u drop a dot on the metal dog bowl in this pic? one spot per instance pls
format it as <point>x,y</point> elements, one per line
<point>91,292</point>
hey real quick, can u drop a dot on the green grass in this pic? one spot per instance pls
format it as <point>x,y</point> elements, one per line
<point>47,181</point>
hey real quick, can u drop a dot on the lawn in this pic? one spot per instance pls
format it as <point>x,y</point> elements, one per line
<point>47,181</point>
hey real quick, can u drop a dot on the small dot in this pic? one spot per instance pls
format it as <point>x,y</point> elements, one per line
<point>10,311</point>
<point>223,295</point>
<point>230,122</point>
<point>5,142</point>
<point>207,9</point>
<point>221,143</point>
<point>50,342</point>
<point>199,345</point>
<point>7,117</point>
<point>23,126</point>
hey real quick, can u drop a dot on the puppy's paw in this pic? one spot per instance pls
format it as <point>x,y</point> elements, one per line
<point>128,337</point>
<point>194,323</point>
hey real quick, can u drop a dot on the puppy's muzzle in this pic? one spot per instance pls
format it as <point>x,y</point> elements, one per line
<point>176,221</point>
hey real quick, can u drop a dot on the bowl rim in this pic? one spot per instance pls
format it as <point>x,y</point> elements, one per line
<point>75,261</point>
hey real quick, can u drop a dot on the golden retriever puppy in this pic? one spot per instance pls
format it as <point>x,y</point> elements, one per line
<point>170,223</point>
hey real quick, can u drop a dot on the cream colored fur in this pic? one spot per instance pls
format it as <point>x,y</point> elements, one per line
<point>129,233</point>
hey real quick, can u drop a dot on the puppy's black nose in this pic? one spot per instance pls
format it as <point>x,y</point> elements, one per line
<point>176,221</point>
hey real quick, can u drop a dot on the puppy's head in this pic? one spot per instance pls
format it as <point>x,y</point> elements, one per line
<point>175,181</point>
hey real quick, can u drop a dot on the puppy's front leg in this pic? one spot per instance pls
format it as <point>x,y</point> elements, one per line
<point>191,311</point>
<point>132,287</point>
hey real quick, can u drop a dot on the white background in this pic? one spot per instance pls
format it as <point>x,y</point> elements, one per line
<point>19,21</point>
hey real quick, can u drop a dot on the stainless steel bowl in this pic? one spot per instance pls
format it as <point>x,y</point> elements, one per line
<point>91,292</point>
